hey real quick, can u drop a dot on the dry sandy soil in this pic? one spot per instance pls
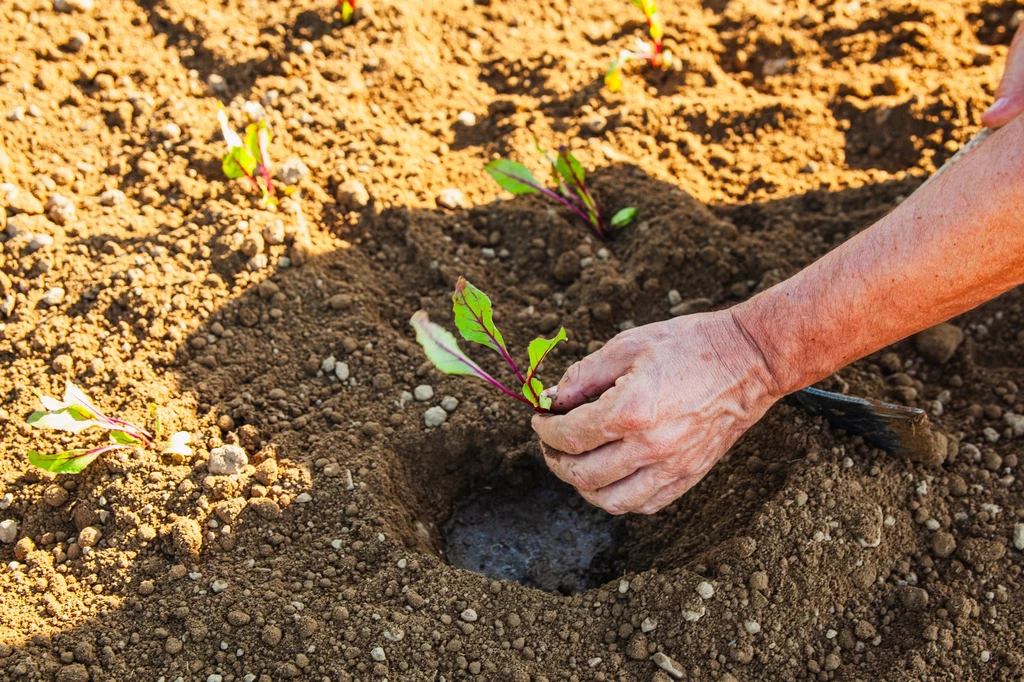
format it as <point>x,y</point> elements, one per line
<point>786,128</point>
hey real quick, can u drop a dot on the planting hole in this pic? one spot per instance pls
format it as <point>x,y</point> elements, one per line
<point>528,527</point>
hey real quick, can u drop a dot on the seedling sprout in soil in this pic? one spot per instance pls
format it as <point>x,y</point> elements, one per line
<point>474,319</point>
<point>76,413</point>
<point>250,157</point>
<point>348,11</point>
<point>645,52</point>
<point>567,173</point>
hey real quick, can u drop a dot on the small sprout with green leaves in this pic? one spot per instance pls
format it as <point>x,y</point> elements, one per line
<point>656,55</point>
<point>474,318</point>
<point>567,173</point>
<point>76,412</point>
<point>250,157</point>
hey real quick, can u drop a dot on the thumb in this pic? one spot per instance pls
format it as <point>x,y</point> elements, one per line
<point>591,376</point>
<point>1010,93</point>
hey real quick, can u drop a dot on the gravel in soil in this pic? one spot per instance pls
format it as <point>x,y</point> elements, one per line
<point>131,266</point>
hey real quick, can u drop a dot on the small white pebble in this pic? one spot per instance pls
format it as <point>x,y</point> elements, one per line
<point>648,624</point>
<point>623,586</point>
<point>378,654</point>
<point>752,626</point>
<point>469,615</point>
<point>705,589</point>
<point>218,586</point>
<point>303,498</point>
<point>423,393</point>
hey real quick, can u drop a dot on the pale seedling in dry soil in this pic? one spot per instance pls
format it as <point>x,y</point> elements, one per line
<point>567,173</point>
<point>76,413</point>
<point>655,55</point>
<point>474,319</point>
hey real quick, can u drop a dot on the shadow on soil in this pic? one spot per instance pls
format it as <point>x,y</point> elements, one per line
<point>258,368</point>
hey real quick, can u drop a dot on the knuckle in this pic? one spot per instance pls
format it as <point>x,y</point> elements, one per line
<point>580,480</point>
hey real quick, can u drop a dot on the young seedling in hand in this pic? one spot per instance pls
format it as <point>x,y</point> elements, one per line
<point>655,55</point>
<point>348,11</point>
<point>567,173</point>
<point>474,319</point>
<point>250,157</point>
<point>76,413</point>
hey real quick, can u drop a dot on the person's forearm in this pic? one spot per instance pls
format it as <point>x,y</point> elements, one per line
<point>948,248</point>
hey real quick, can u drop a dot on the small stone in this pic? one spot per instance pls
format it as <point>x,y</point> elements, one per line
<point>292,171</point>
<point>38,243</point>
<point>674,298</point>
<point>1015,422</point>
<point>423,393</point>
<point>146,588</point>
<point>218,586</point>
<point>186,538</point>
<point>89,536</point>
<point>271,635</point>
<point>217,83</point>
<point>266,472</point>
<point>752,627</point>
<point>694,614</point>
<point>914,598</point>
<point>238,618</point>
<point>55,495</point>
<point>76,672</point>
<point>668,665</point>
<point>60,209</point>
<point>53,296</point>
<point>23,547</point>
<point>20,201</point>
<point>939,343</point>
<point>434,417</point>
<point>378,654</point>
<point>169,131</point>
<point>341,371</point>
<point>943,544</point>
<point>252,245</point>
<point>62,364</point>
<point>450,198</point>
<point>69,6</point>
<point>274,233</point>
<point>303,498</point>
<point>227,460</point>
<point>469,615</point>
<point>16,114</point>
<point>328,365</point>
<point>79,41</point>
<point>449,403</point>
<point>648,625</point>
<point>1018,536</point>
<point>8,531</point>
<point>352,194</point>
<point>113,197</point>
<point>705,589</point>
<point>596,123</point>
<point>466,118</point>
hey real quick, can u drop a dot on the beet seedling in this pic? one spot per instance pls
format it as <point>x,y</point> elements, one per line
<point>249,157</point>
<point>567,173</point>
<point>475,321</point>
<point>644,52</point>
<point>75,413</point>
<point>348,11</point>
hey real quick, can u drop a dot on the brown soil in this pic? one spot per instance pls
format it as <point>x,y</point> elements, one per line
<point>787,128</point>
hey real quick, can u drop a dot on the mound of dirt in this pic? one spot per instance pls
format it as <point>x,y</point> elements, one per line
<point>131,266</point>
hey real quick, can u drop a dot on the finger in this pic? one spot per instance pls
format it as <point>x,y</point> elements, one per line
<point>668,494</point>
<point>1010,93</point>
<point>591,376</point>
<point>628,494</point>
<point>586,428</point>
<point>598,468</point>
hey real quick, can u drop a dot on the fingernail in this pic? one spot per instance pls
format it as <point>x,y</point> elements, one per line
<point>997,107</point>
<point>550,392</point>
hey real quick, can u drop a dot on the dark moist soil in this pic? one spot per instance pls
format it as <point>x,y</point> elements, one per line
<point>786,129</point>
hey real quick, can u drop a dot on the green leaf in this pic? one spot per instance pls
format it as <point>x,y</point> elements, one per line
<point>71,419</point>
<point>238,163</point>
<point>623,217</point>
<point>657,30</point>
<point>67,462</point>
<point>513,177</point>
<point>441,347</point>
<point>474,316</point>
<point>252,140</point>
<point>122,438</point>
<point>613,79</point>
<point>539,349</point>
<point>347,10</point>
<point>569,167</point>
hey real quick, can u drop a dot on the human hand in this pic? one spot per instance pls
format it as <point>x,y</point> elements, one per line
<point>674,396</point>
<point>1010,93</point>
